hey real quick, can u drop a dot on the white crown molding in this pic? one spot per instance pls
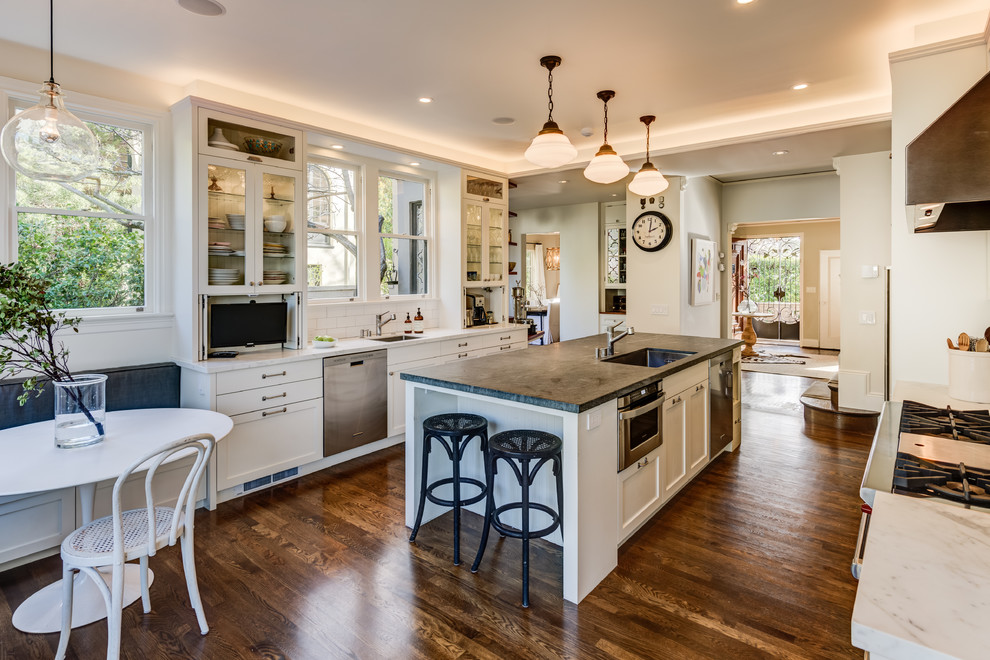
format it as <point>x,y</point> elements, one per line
<point>948,46</point>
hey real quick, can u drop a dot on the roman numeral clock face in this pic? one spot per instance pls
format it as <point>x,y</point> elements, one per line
<point>652,231</point>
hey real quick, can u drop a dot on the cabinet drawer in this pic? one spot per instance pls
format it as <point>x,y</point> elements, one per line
<point>245,379</point>
<point>507,337</point>
<point>236,403</point>
<point>465,355</point>
<point>505,347</point>
<point>266,441</point>
<point>450,347</point>
<point>640,492</point>
<point>412,351</point>
<point>689,377</point>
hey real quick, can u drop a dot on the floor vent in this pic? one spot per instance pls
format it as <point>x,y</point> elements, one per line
<point>285,474</point>
<point>270,479</point>
<point>256,483</point>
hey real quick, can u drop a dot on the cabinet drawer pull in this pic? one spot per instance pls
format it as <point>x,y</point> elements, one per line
<point>504,348</point>
<point>505,337</point>
<point>274,412</point>
<point>274,396</point>
<point>391,373</point>
<point>643,463</point>
<point>461,355</point>
<point>254,159</point>
<point>264,376</point>
<point>462,345</point>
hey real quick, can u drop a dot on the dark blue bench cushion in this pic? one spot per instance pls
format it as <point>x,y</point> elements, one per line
<point>138,386</point>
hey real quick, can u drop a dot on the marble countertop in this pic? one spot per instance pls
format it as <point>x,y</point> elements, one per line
<point>924,590</point>
<point>262,358</point>
<point>565,375</point>
<point>933,395</point>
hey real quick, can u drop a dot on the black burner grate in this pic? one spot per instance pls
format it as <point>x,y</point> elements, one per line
<point>966,425</point>
<point>924,478</point>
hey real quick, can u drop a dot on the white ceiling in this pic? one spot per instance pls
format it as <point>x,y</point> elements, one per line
<point>712,71</point>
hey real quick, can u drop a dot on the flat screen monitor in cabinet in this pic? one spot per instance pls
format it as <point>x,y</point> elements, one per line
<point>248,324</point>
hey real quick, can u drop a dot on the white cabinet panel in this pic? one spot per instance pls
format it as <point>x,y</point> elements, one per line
<point>640,492</point>
<point>397,394</point>
<point>236,403</point>
<point>35,522</point>
<point>266,441</point>
<point>697,427</point>
<point>674,437</point>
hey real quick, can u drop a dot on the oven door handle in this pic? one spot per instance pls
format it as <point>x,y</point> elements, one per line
<point>864,529</point>
<point>632,413</point>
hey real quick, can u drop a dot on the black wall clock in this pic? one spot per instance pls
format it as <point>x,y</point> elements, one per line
<point>652,231</point>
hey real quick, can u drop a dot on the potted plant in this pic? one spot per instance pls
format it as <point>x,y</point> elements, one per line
<point>28,329</point>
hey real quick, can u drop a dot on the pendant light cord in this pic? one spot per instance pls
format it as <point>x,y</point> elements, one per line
<point>605,136</point>
<point>51,41</point>
<point>647,143</point>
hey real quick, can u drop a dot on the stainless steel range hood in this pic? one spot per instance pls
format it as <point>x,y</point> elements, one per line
<point>948,168</point>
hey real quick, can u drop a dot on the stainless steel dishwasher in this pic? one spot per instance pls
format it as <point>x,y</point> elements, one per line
<point>355,401</point>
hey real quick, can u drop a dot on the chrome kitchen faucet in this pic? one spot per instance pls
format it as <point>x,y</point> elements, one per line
<point>379,323</point>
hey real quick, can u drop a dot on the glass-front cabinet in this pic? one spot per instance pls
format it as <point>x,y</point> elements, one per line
<point>485,217</point>
<point>613,300</point>
<point>250,225</point>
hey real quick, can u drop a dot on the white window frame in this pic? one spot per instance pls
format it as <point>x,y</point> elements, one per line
<point>358,231</point>
<point>369,282</point>
<point>156,310</point>
<point>427,236</point>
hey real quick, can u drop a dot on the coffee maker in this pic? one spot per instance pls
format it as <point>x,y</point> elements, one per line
<point>519,304</point>
<point>474,310</point>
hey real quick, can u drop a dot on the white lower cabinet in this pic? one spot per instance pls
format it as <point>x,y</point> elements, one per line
<point>263,442</point>
<point>685,427</point>
<point>640,492</point>
<point>397,394</point>
<point>36,522</point>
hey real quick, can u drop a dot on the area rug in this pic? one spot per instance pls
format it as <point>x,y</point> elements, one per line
<point>770,358</point>
<point>824,366</point>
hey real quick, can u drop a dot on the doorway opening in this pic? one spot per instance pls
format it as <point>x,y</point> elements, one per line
<point>768,283</point>
<point>541,279</point>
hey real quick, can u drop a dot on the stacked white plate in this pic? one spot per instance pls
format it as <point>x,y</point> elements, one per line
<point>223,145</point>
<point>236,221</point>
<point>275,277</point>
<point>220,249</point>
<point>274,250</point>
<point>224,276</point>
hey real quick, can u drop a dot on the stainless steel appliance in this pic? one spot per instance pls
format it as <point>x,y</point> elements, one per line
<point>519,304</point>
<point>355,401</point>
<point>480,316</point>
<point>721,380</point>
<point>640,419</point>
<point>926,451</point>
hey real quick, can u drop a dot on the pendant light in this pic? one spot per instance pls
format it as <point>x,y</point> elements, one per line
<point>606,166</point>
<point>550,148</point>
<point>648,181</point>
<point>46,141</point>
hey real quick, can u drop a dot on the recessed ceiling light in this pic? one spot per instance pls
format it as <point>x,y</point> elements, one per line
<point>203,7</point>
<point>562,181</point>
<point>336,146</point>
<point>504,121</point>
<point>425,99</point>
<point>414,164</point>
<point>782,152</point>
<point>615,194</point>
<point>744,2</point>
<point>800,86</point>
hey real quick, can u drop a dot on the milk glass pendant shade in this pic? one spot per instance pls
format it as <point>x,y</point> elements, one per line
<point>48,142</point>
<point>606,166</point>
<point>550,148</point>
<point>648,181</point>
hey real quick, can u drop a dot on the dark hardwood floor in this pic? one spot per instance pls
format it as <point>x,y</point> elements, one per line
<point>751,560</point>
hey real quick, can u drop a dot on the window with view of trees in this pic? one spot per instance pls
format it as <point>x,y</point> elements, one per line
<point>403,236</point>
<point>333,235</point>
<point>89,237</point>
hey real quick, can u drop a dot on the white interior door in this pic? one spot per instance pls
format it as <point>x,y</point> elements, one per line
<point>828,318</point>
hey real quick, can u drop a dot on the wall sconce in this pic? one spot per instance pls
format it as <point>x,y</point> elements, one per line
<point>552,258</point>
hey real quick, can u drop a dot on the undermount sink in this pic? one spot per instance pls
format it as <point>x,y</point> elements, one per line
<point>395,338</point>
<point>650,357</point>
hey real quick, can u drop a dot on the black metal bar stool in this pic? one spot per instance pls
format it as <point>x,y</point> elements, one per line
<point>453,431</point>
<point>519,449</point>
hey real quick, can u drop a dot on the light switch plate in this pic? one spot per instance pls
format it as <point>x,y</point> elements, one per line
<point>594,419</point>
<point>659,310</point>
<point>867,318</point>
<point>811,289</point>
<point>871,272</point>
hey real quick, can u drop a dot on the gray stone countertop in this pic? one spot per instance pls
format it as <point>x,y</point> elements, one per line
<point>565,375</point>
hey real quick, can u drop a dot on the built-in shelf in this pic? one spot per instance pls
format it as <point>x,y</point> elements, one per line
<point>513,243</point>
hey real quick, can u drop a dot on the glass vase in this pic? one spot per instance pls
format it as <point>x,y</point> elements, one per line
<point>80,410</point>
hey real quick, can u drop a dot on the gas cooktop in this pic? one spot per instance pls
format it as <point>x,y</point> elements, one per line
<point>966,425</point>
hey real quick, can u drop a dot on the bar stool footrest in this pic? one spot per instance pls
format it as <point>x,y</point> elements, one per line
<point>512,532</point>
<point>464,502</point>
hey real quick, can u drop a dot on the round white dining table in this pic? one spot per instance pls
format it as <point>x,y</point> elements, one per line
<point>30,462</point>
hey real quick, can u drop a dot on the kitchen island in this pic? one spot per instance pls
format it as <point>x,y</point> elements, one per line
<point>562,389</point>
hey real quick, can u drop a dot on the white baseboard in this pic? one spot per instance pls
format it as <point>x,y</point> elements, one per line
<point>809,343</point>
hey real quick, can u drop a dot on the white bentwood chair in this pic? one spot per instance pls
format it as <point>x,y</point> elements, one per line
<point>136,534</point>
